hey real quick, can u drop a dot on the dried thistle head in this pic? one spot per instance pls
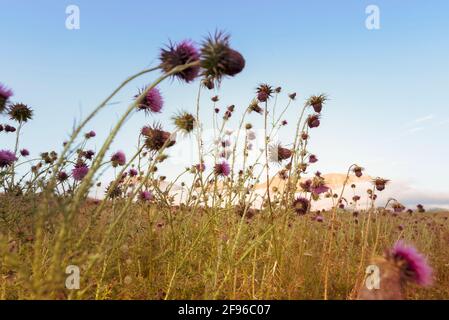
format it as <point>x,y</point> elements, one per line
<point>317,102</point>
<point>380,183</point>
<point>218,59</point>
<point>264,92</point>
<point>20,112</point>
<point>178,54</point>
<point>184,121</point>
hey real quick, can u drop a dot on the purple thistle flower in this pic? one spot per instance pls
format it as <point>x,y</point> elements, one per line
<point>313,158</point>
<point>24,153</point>
<point>89,154</point>
<point>301,205</point>
<point>6,158</point>
<point>179,54</point>
<point>414,266</point>
<point>9,128</point>
<point>5,94</point>
<point>80,171</point>
<point>146,196</point>
<point>90,134</point>
<point>222,169</point>
<point>118,159</point>
<point>62,176</point>
<point>319,219</point>
<point>152,102</point>
<point>133,172</point>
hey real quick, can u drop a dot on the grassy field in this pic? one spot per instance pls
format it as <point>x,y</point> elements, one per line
<point>187,253</point>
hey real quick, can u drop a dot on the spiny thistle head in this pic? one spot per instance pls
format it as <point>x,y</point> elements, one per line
<point>156,138</point>
<point>113,192</point>
<point>20,112</point>
<point>264,92</point>
<point>118,159</point>
<point>184,121</point>
<point>178,54</point>
<point>254,107</point>
<point>222,169</point>
<point>79,171</point>
<point>90,134</point>
<point>301,206</point>
<point>24,153</point>
<point>7,158</point>
<point>152,102</point>
<point>313,121</point>
<point>317,102</point>
<point>313,158</point>
<point>397,207</point>
<point>358,171</point>
<point>218,59</point>
<point>5,94</point>
<point>413,265</point>
<point>62,176</point>
<point>277,153</point>
<point>318,185</point>
<point>380,183</point>
<point>146,196</point>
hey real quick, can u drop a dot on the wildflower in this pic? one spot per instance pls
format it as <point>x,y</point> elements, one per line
<point>355,198</point>
<point>20,112</point>
<point>146,196</point>
<point>254,107</point>
<point>152,102</point>
<point>317,102</point>
<point>185,122</point>
<point>156,138</point>
<point>301,205</point>
<point>62,176</point>
<point>313,121</point>
<point>216,110</point>
<point>284,122</point>
<point>218,59</point>
<point>200,167</point>
<point>319,219</point>
<point>421,208</point>
<point>118,159</point>
<point>89,154</point>
<point>283,174</point>
<point>222,169</point>
<point>305,186</point>
<point>413,265</point>
<point>380,183</point>
<point>133,172</point>
<point>24,153</point>
<point>292,95</point>
<point>304,136</point>
<point>180,54</point>
<point>7,158</point>
<point>277,153</point>
<point>90,134</point>
<point>215,99</point>
<point>80,171</point>
<point>318,185</point>
<point>358,171</point>
<point>313,158</point>
<point>9,128</point>
<point>1,128</point>
<point>397,207</point>
<point>113,192</point>
<point>5,94</point>
<point>251,135</point>
<point>264,92</point>
<point>208,83</point>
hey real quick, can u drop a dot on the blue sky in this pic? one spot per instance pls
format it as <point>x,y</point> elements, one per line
<point>388,109</point>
